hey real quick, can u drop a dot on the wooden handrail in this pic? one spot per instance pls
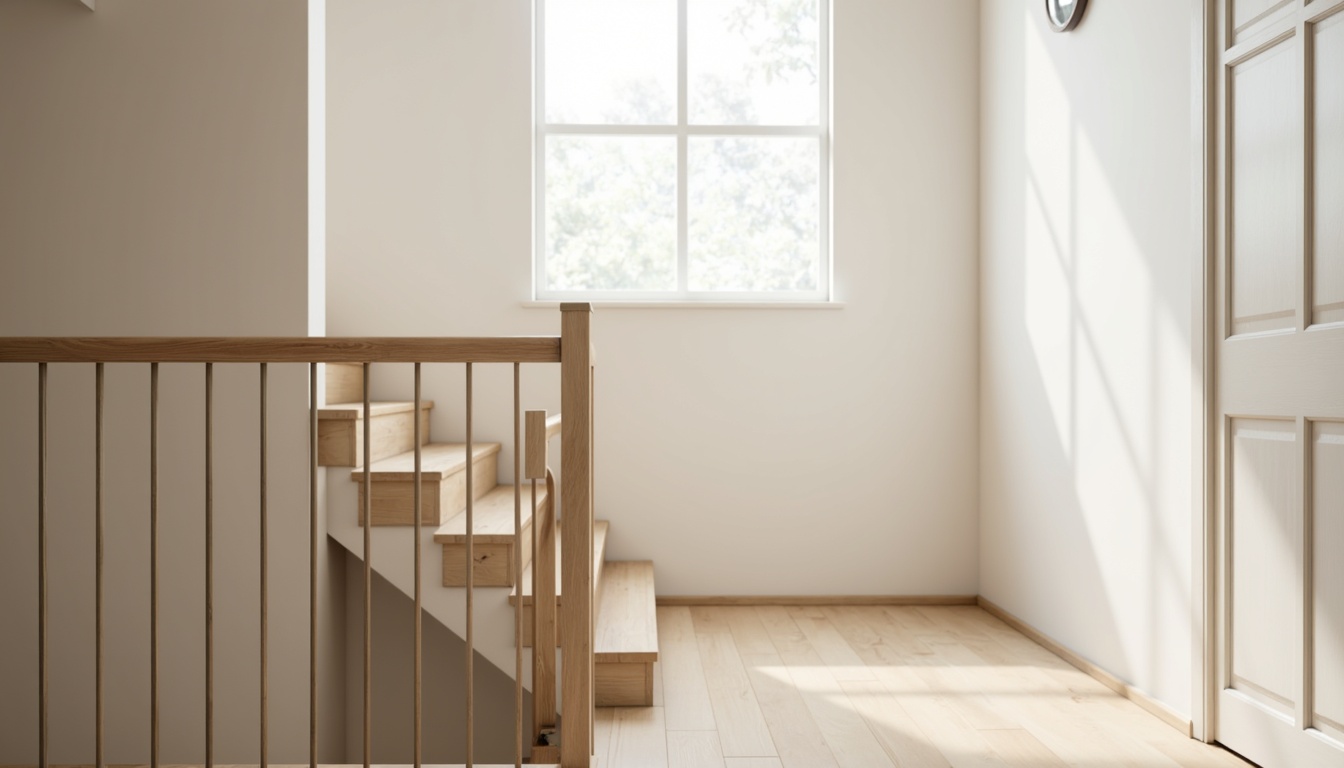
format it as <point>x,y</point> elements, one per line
<point>276,349</point>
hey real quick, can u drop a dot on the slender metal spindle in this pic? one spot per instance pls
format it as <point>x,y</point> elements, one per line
<point>418,597</point>
<point>42,564</point>
<point>517,572</point>
<point>262,557</point>
<point>209,565</point>
<point>471,586</point>
<point>312,565</point>
<point>98,568</point>
<point>368,580</point>
<point>154,565</point>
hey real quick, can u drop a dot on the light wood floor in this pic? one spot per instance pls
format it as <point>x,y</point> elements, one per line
<point>765,687</point>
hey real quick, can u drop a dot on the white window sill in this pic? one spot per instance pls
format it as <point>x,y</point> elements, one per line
<point>599,304</point>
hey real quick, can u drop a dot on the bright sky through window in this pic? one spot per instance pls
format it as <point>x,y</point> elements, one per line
<point>682,149</point>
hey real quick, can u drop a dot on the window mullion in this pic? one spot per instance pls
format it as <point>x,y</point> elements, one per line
<point>683,205</point>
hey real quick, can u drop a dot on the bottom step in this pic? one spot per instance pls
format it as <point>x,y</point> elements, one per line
<point>626,643</point>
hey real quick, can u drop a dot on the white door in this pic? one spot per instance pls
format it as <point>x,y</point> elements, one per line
<point>1279,431</point>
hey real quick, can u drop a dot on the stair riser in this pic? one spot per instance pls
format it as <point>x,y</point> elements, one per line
<point>393,501</point>
<point>340,442</point>
<point>623,684</point>
<point>345,383</point>
<point>494,562</point>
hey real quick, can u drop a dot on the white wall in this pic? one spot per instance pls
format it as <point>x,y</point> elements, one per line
<point>752,452</point>
<point>1086,333</point>
<point>153,181</point>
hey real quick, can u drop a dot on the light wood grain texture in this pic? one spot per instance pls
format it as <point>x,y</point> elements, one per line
<point>276,349</point>
<point>742,728</point>
<point>685,693</point>
<point>600,529</point>
<point>495,547</point>
<point>539,620</point>
<point>627,626</point>
<point>443,483</point>
<point>693,749</point>
<point>796,735</point>
<point>843,729</point>
<point>670,600</point>
<point>623,684</point>
<point>626,638</point>
<point>1154,707</point>
<point>638,738</point>
<point>341,432</point>
<point>576,530</point>
<point>345,383</point>
<point>535,463</point>
<point>934,671</point>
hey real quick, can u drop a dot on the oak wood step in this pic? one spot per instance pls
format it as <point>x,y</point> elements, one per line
<point>599,556</point>
<point>627,616</point>
<point>340,431</point>
<point>493,542</point>
<point>443,483</point>
<point>625,642</point>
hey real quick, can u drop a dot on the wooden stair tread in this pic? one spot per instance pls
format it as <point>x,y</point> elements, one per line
<point>492,518</point>
<point>355,411</point>
<point>599,555</point>
<point>627,618</point>
<point>437,461</point>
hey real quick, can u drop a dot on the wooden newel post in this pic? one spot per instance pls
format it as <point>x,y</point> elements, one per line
<point>576,534</point>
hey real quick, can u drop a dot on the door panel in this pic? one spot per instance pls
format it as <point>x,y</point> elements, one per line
<point>1265,527</point>
<point>1278,317</point>
<point>1266,190</point>
<point>1328,616</point>
<point>1328,172</point>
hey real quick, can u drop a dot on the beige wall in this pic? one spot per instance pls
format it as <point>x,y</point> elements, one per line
<point>744,451</point>
<point>1086,383</point>
<point>153,181</point>
<point>443,698</point>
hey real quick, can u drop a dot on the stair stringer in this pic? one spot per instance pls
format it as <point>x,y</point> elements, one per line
<point>390,548</point>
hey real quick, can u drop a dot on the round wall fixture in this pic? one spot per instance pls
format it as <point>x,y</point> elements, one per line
<point>1064,15</point>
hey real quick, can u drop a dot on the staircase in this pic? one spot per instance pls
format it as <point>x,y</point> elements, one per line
<point>625,636</point>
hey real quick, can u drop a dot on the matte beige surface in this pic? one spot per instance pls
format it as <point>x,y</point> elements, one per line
<point>946,686</point>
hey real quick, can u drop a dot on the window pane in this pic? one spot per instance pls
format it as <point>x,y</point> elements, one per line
<point>753,62</point>
<point>611,213</point>
<point>754,214</point>
<point>611,61</point>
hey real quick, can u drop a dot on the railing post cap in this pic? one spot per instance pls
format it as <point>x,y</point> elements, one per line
<point>576,306</point>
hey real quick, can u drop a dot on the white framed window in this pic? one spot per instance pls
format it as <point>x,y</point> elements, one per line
<point>682,150</point>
